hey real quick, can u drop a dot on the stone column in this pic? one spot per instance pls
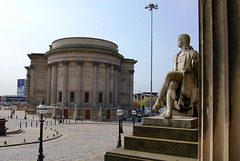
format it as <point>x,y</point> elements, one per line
<point>95,83</point>
<point>65,83</point>
<point>219,80</point>
<point>28,85</point>
<point>79,82</point>
<point>49,84</point>
<point>107,86</point>
<point>54,84</point>
<point>116,77</point>
<point>131,72</point>
<point>32,85</point>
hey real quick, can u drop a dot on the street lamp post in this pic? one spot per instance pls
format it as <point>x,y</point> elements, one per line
<point>134,113</point>
<point>119,113</point>
<point>41,109</point>
<point>60,121</point>
<point>151,7</point>
<point>25,113</point>
<point>11,113</point>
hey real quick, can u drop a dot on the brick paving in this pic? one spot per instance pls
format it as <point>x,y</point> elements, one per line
<point>87,140</point>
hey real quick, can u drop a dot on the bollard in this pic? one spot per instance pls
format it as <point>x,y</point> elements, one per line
<point>16,117</point>
<point>24,140</point>
<point>26,124</point>
<point>31,123</point>
<point>20,125</point>
<point>55,121</point>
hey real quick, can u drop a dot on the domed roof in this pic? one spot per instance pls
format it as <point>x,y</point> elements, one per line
<point>75,42</point>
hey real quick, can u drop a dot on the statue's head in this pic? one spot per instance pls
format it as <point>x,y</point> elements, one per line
<point>183,40</point>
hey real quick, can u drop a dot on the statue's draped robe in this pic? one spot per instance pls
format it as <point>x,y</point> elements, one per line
<point>189,84</point>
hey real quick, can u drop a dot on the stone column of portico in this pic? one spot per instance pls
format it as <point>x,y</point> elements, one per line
<point>116,86</point>
<point>107,86</point>
<point>49,84</point>
<point>54,83</point>
<point>32,85</point>
<point>65,83</point>
<point>95,83</point>
<point>79,82</point>
<point>28,85</point>
<point>131,72</point>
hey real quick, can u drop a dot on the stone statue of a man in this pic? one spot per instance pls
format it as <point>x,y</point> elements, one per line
<point>180,87</point>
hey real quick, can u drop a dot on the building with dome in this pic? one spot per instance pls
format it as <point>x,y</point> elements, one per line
<point>82,74</point>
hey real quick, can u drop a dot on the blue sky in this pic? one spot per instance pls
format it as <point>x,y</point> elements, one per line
<point>30,26</point>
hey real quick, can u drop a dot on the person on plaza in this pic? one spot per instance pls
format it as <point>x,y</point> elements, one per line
<point>63,118</point>
<point>76,119</point>
<point>179,89</point>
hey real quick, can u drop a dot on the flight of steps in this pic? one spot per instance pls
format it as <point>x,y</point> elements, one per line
<point>160,139</point>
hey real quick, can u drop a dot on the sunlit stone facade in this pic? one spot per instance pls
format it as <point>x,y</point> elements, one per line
<point>87,73</point>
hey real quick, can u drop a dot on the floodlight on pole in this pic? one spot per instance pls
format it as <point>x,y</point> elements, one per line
<point>151,7</point>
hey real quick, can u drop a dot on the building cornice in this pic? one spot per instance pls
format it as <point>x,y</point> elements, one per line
<point>131,61</point>
<point>83,49</point>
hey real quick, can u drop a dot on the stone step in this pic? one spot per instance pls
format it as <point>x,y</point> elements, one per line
<point>170,133</point>
<point>176,121</point>
<point>121,154</point>
<point>162,146</point>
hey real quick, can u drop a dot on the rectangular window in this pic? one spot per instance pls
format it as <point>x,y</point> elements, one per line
<point>100,97</point>
<point>60,97</point>
<point>110,98</point>
<point>86,97</point>
<point>71,96</point>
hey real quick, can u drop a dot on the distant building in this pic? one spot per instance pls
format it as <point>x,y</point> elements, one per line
<point>13,99</point>
<point>22,87</point>
<point>84,72</point>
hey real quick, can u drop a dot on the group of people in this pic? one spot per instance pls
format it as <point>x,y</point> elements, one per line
<point>59,120</point>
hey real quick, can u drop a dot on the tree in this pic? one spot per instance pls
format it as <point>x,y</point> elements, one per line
<point>146,101</point>
<point>136,103</point>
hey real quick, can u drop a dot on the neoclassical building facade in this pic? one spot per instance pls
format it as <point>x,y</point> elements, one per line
<point>84,73</point>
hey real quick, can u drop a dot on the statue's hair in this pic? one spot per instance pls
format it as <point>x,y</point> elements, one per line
<point>185,37</point>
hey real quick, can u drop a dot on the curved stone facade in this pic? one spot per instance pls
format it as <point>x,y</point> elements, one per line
<point>87,73</point>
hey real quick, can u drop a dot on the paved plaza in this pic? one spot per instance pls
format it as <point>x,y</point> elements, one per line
<point>86,140</point>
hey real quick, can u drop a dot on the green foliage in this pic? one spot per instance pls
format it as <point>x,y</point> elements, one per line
<point>136,103</point>
<point>146,102</point>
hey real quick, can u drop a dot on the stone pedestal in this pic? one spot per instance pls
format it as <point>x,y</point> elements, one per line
<point>176,121</point>
<point>160,139</point>
<point>2,126</point>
